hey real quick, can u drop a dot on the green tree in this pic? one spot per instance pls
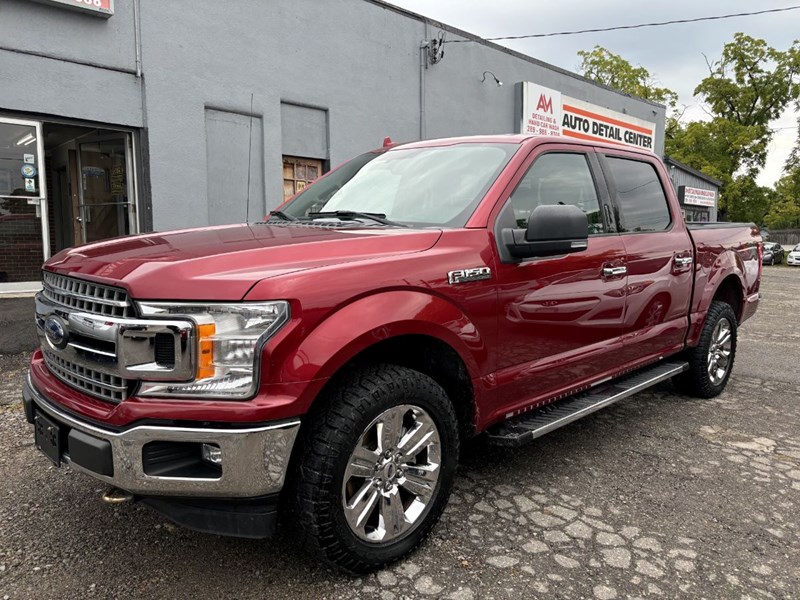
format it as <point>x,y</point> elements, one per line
<point>784,212</point>
<point>603,66</point>
<point>731,153</point>
<point>745,200</point>
<point>750,85</point>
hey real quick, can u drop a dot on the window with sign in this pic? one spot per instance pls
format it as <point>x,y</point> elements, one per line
<point>298,173</point>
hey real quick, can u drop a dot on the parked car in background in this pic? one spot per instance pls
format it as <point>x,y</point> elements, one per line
<point>773,253</point>
<point>794,256</point>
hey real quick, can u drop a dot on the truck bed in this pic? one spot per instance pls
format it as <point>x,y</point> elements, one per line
<point>725,251</point>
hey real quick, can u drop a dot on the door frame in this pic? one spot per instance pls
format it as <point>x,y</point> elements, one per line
<point>27,286</point>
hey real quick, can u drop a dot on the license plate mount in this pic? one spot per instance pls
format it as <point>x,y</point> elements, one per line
<point>47,437</point>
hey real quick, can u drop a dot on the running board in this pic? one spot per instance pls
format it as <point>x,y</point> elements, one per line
<point>527,427</point>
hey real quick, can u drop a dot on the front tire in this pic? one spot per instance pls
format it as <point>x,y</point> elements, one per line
<point>711,361</point>
<point>377,467</point>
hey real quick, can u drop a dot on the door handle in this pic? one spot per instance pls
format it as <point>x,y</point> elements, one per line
<point>614,271</point>
<point>681,263</point>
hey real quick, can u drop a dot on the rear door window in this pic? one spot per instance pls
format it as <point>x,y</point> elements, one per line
<point>641,201</point>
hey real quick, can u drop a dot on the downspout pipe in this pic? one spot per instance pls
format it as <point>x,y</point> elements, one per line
<point>423,65</point>
<point>137,38</point>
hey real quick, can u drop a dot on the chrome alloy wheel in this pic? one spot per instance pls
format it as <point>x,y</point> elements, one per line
<point>719,353</point>
<point>391,475</point>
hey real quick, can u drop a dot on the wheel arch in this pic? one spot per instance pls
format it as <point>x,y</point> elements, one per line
<point>430,356</point>
<point>724,281</point>
<point>730,291</point>
<point>414,329</point>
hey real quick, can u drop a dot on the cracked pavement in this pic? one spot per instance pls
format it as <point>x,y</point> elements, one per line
<point>659,496</point>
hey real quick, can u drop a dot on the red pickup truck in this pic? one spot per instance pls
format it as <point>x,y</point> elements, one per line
<point>326,364</point>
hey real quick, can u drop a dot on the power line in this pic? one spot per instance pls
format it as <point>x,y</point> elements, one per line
<point>619,27</point>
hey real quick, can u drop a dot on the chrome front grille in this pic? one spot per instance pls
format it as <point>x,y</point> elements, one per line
<point>95,383</point>
<point>93,341</point>
<point>86,296</point>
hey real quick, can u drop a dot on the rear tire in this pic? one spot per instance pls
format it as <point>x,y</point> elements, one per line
<point>711,361</point>
<point>377,467</point>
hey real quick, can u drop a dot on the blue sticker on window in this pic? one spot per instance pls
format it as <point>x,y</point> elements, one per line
<point>28,171</point>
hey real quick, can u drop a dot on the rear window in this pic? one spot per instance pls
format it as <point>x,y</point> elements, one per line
<point>641,201</point>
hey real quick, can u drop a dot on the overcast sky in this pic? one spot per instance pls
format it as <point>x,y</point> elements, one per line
<point>673,54</point>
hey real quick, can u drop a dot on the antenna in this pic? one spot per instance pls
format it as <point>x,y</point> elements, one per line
<point>249,159</point>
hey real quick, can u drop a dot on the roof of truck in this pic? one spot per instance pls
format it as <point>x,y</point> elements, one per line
<point>519,138</point>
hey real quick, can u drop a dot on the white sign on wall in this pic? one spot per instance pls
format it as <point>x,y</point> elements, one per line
<point>546,111</point>
<point>697,196</point>
<point>541,110</point>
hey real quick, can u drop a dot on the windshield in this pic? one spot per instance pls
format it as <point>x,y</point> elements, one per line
<point>437,186</point>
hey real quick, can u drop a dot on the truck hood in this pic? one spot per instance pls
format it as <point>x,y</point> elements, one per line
<point>223,263</point>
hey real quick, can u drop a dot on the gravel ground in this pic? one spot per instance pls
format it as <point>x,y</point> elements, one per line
<point>658,496</point>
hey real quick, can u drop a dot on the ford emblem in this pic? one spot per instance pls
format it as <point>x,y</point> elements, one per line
<point>56,332</point>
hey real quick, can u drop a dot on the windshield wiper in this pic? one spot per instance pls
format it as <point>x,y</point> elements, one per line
<point>353,214</point>
<point>282,215</point>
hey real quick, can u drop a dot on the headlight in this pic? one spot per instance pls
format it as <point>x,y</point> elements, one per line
<point>228,338</point>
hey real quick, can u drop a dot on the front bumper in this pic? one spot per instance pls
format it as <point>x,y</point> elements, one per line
<point>254,459</point>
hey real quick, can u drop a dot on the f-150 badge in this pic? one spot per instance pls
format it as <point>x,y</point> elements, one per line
<point>467,275</point>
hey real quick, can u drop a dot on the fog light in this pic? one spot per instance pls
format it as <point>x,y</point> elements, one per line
<point>212,454</point>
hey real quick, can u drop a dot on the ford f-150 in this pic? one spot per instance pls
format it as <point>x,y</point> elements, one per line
<point>326,364</point>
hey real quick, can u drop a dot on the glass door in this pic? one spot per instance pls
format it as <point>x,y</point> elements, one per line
<point>24,236</point>
<point>106,206</point>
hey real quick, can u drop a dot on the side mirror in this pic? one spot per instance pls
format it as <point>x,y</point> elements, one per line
<point>552,230</point>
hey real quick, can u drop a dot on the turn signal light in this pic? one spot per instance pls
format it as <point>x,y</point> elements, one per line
<point>205,358</point>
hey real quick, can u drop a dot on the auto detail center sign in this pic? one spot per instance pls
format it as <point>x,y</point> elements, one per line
<point>547,112</point>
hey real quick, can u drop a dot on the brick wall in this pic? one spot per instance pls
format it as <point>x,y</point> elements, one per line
<point>20,241</point>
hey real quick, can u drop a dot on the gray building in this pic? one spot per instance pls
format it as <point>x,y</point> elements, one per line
<point>698,193</point>
<point>124,116</point>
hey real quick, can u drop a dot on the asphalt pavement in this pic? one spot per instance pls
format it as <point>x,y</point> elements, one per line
<point>659,496</point>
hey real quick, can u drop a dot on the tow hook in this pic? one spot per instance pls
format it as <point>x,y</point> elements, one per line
<point>117,496</point>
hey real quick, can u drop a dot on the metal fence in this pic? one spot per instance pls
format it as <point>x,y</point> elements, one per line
<point>785,237</point>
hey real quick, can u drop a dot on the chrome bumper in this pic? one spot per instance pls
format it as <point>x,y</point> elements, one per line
<point>254,460</point>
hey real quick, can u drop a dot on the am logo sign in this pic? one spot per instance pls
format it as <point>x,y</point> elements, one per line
<point>545,104</point>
